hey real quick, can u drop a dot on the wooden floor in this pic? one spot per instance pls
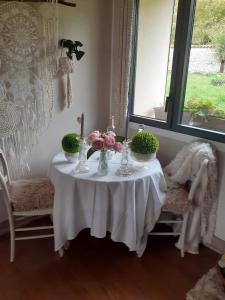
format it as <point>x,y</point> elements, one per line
<point>99,269</point>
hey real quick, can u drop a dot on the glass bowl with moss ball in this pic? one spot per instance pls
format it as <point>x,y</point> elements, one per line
<point>143,146</point>
<point>71,147</point>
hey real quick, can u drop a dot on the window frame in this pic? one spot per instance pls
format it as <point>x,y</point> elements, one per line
<point>179,73</point>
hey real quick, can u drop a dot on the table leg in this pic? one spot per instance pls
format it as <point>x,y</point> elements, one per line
<point>66,245</point>
<point>61,252</point>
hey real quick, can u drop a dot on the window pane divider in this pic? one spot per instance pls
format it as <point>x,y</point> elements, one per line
<point>149,122</point>
<point>182,47</point>
<point>200,132</point>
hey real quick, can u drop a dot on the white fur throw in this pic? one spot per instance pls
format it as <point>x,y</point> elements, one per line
<point>208,287</point>
<point>183,168</point>
<point>31,194</point>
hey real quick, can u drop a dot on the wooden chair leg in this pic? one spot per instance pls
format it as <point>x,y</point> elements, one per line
<point>183,233</point>
<point>12,244</point>
<point>12,235</point>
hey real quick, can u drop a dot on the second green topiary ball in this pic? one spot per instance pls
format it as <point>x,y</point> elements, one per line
<point>71,143</point>
<point>144,143</point>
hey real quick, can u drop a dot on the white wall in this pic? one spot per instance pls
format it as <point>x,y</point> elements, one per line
<point>170,144</point>
<point>90,23</point>
<point>155,19</point>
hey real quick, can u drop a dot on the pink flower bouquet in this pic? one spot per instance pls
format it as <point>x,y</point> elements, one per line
<point>104,141</point>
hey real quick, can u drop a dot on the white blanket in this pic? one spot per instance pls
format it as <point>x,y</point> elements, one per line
<point>184,167</point>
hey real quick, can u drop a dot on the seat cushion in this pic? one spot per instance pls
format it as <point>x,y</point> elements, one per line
<point>177,200</point>
<point>31,194</point>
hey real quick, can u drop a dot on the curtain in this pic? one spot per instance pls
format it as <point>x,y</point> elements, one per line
<point>123,29</point>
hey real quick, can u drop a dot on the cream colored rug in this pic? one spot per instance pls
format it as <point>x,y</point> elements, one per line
<point>208,287</point>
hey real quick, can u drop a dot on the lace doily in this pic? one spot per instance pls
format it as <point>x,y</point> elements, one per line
<point>28,62</point>
<point>20,34</point>
<point>23,115</point>
<point>26,92</point>
<point>9,119</point>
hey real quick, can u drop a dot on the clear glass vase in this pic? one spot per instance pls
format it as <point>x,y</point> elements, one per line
<point>82,166</point>
<point>126,168</point>
<point>103,163</point>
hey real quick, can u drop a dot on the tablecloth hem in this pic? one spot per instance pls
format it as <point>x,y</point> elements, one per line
<point>113,238</point>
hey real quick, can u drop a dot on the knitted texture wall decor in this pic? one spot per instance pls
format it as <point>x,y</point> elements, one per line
<point>28,62</point>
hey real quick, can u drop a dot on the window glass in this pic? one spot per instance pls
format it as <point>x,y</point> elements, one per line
<point>204,105</point>
<point>154,57</point>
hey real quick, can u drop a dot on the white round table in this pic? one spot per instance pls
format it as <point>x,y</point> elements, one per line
<point>128,207</point>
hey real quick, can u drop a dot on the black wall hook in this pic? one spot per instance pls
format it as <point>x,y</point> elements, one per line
<point>72,48</point>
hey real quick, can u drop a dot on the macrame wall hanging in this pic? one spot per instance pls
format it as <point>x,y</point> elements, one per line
<point>28,62</point>
<point>66,68</point>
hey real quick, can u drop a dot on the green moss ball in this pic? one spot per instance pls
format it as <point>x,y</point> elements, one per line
<point>71,143</point>
<point>144,142</point>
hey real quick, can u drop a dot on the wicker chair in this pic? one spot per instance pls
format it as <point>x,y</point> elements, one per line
<point>178,205</point>
<point>25,198</point>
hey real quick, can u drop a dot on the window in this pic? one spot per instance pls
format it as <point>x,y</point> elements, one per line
<point>178,67</point>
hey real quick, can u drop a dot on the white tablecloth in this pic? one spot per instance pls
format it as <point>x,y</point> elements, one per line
<point>128,207</point>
